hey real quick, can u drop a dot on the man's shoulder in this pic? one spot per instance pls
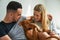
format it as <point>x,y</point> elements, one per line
<point>1,23</point>
<point>21,19</point>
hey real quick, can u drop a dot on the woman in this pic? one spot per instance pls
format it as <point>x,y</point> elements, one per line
<point>42,20</point>
<point>42,23</point>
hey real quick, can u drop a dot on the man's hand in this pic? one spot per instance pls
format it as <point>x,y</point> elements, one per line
<point>6,37</point>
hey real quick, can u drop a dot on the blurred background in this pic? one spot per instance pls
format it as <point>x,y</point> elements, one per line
<point>52,7</point>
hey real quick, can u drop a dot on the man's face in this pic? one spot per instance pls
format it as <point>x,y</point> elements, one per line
<point>17,15</point>
<point>37,16</point>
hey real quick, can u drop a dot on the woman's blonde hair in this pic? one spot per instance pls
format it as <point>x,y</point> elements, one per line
<point>41,8</point>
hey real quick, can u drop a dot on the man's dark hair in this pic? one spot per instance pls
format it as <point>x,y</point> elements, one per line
<point>13,5</point>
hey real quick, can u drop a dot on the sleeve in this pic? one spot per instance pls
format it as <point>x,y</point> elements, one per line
<point>20,32</point>
<point>54,28</point>
<point>21,19</point>
<point>2,32</point>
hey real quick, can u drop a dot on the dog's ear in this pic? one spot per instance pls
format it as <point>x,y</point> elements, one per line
<point>21,23</point>
<point>25,23</point>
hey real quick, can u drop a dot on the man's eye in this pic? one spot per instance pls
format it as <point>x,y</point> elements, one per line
<point>19,14</point>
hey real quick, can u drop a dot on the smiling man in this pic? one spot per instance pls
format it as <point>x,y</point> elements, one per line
<point>9,29</point>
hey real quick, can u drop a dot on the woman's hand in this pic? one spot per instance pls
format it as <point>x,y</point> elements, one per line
<point>43,35</point>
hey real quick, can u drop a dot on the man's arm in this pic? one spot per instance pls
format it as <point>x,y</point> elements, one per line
<point>3,34</point>
<point>6,37</point>
<point>54,27</point>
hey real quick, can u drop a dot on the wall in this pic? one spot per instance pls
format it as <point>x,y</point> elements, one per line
<point>53,7</point>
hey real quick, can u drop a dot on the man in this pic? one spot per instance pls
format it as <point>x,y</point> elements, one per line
<point>9,28</point>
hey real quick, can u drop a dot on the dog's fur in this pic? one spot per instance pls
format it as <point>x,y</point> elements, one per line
<point>27,27</point>
<point>26,24</point>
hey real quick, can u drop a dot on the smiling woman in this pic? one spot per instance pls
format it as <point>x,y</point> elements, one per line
<point>43,21</point>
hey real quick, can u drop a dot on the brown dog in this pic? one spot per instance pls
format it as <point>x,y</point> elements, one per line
<point>29,29</point>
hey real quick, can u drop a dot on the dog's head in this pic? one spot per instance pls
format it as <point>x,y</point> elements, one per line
<point>27,24</point>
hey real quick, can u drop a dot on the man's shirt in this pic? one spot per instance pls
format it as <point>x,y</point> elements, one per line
<point>13,30</point>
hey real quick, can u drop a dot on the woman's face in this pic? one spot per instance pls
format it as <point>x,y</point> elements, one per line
<point>37,16</point>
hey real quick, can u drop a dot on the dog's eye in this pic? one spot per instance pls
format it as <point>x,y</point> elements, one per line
<point>29,28</point>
